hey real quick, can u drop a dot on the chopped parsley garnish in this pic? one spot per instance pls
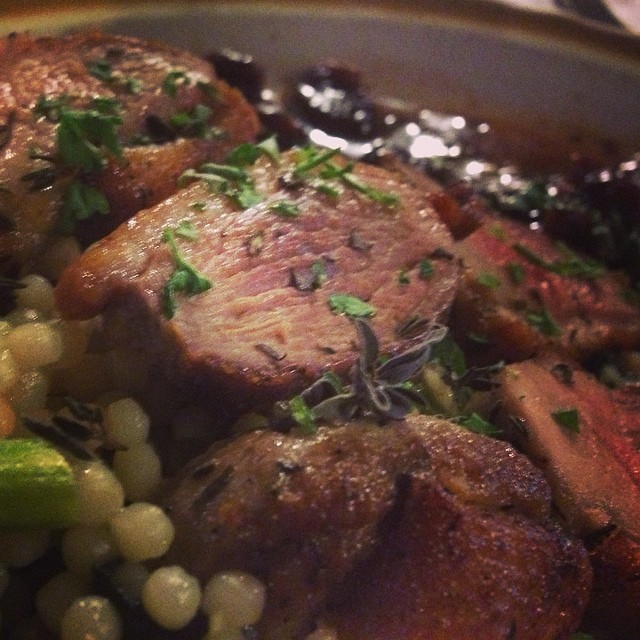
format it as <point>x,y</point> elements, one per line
<point>185,278</point>
<point>567,418</point>
<point>516,272</point>
<point>489,280</point>
<point>426,269</point>
<point>285,208</point>
<point>352,306</point>
<point>186,230</point>
<point>311,158</point>
<point>570,265</point>
<point>302,414</point>
<point>102,70</point>
<point>50,108</point>
<point>227,179</point>
<point>544,322</point>
<point>403,277</point>
<point>246,154</point>
<point>84,139</point>
<point>173,80</point>
<point>319,272</point>
<point>195,124</point>
<point>381,197</point>
<point>476,423</point>
<point>80,202</point>
<point>497,231</point>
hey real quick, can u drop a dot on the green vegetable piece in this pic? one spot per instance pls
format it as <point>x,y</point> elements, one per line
<point>343,303</point>
<point>567,418</point>
<point>37,487</point>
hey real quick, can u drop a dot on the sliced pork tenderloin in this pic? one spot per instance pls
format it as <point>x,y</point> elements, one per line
<point>585,437</point>
<point>521,291</point>
<point>148,110</point>
<point>285,272</point>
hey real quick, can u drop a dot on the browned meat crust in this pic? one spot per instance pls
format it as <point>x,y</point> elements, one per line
<point>594,471</point>
<point>418,530</point>
<point>60,68</point>
<point>517,294</point>
<point>265,330</point>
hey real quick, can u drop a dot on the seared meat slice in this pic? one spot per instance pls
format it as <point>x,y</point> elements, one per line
<point>520,291</point>
<point>273,320</point>
<point>146,85</point>
<point>585,437</point>
<point>417,530</point>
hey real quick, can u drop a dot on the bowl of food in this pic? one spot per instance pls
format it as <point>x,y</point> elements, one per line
<point>319,322</point>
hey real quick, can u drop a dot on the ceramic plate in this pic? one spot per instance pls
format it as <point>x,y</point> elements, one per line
<point>479,58</point>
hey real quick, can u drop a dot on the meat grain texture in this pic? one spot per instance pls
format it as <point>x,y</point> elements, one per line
<point>265,329</point>
<point>75,70</point>
<point>419,530</point>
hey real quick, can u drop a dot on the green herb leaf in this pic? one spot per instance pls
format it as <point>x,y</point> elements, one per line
<point>516,272</point>
<point>312,157</point>
<point>567,418</point>
<point>497,231</point>
<point>476,423</point>
<point>246,154</point>
<point>571,265</point>
<point>100,69</point>
<point>544,322</point>
<point>285,208</point>
<point>384,198</point>
<point>173,80</point>
<point>50,108</point>
<point>343,303</point>
<point>489,280</point>
<point>186,230</point>
<point>303,415</point>
<point>84,138</point>
<point>230,180</point>
<point>185,278</point>
<point>80,202</point>
<point>195,123</point>
<point>426,269</point>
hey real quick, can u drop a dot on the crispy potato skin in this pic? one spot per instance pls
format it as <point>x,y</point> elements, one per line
<point>419,530</point>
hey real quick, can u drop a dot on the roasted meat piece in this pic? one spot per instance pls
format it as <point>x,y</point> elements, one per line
<point>585,438</point>
<point>418,530</point>
<point>520,291</point>
<point>117,115</point>
<point>284,271</point>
